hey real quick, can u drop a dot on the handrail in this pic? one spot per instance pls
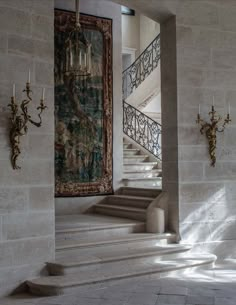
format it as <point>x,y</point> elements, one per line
<point>142,129</point>
<point>141,68</point>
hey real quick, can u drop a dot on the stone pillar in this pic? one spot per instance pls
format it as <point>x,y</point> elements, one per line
<point>169,119</point>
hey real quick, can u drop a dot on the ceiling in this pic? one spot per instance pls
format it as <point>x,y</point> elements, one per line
<point>158,10</point>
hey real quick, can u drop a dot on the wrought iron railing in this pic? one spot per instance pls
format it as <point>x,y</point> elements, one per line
<point>142,129</point>
<point>135,74</point>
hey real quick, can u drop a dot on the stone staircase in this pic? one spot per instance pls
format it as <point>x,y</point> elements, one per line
<point>111,243</point>
<point>128,202</point>
<point>94,249</point>
<point>139,169</point>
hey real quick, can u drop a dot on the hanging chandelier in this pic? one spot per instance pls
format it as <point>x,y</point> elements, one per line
<point>78,51</point>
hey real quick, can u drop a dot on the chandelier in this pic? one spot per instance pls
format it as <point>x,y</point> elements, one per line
<point>77,51</point>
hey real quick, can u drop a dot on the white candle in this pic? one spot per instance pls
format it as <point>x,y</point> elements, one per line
<point>43,93</point>
<point>213,102</point>
<point>29,76</point>
<point>80,58</point>
<point>199,109</point>
<point>229,108</point>
<point>14,90</point>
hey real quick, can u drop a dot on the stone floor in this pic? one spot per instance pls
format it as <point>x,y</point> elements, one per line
<point>196,287</point>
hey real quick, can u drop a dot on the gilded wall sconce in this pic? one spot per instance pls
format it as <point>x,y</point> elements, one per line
<point>211,128</point>
<point>20,118</point>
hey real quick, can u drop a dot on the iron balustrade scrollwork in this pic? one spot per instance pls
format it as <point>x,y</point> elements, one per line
<point>135,74</point>
<point>142,129</point>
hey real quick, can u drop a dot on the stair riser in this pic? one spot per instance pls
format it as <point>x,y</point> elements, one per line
<point>112,232</point>
<point>143,183</point>
<point>134,159</point>
<point>139,192</point>
<point>141,175</point>
<point>143,204</point>
<point>127,146</point>
<point>129,153</point>
<point>116,265</point>
<point>96,249</point>
<point>120,213</point>
<point>138,167</point>
<point>47,291</point>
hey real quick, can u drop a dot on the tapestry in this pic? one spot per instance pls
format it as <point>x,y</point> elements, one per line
<point>83,111</point>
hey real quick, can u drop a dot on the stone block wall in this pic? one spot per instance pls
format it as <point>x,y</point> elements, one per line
<point>26,195</point>
<point>206,69</point>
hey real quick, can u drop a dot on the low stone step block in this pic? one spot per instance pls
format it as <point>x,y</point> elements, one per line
<point>142,192</point>
<point>121,211</point>
<point>108,231</point>
<point>135,159</point>
<point>110,259</point>
<point>128,201</point>
<point>143,182</point>
<point>112,244</point>
<point>55,285</point>
<point>142,173</point>
<point>144,166</point>
<point>131,152</point>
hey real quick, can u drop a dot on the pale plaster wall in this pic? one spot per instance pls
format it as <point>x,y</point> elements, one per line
<point>138,32</point>
<point>149,29</point>
<point>150,86</point>
<point>154,105</point>
<point>131,32</point>
<point>113,11</point>
<point>26,195</point>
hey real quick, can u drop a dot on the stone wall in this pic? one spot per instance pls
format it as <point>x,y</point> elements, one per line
<point>113,11</point>
<point>26,195</point>
<point>206,48</point>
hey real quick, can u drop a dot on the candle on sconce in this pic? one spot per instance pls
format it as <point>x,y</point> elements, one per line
<point>229,108</point>
<point>199,109</point>
<point>29,76</point>
<point>43,93</point>
<point>213,102</point>
<point>14,90</point>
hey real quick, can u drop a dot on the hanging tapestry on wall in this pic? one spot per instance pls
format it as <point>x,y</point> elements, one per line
<point>83,111</point>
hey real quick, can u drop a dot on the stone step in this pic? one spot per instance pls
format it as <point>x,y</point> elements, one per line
<point>135,159</point>
<point>131,152</point>
<point>135,241</point>
<point>127,145</point>
<point>90,222</point>
<point>91,225</point>
<point>121,211</point>
<point>110,259</point>
<point>137,166</point>
<point>55,285</point>
<point>143,182</point>
<point>143,173</point>
<point>128,201</point>
<point>143,192</point>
